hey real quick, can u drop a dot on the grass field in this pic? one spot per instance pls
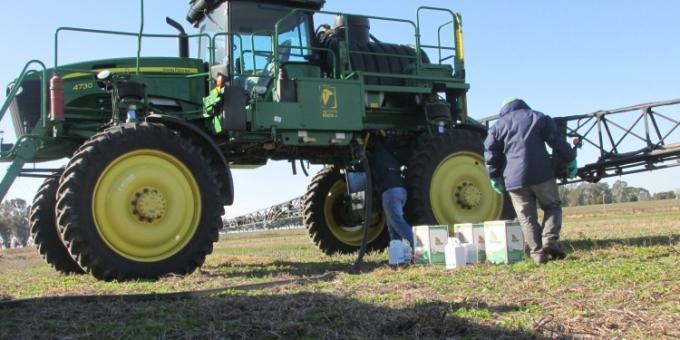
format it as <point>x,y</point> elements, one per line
<point>621,279</point>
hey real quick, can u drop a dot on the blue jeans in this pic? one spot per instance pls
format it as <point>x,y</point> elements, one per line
<point>393,201</point>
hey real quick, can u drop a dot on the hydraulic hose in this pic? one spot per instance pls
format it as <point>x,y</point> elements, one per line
<point>368,209</point>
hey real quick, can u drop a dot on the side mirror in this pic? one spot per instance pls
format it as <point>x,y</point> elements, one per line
<point>11,86</point>
<point>104,75</point>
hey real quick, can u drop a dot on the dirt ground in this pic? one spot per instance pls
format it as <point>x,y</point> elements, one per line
<point>621,279</point>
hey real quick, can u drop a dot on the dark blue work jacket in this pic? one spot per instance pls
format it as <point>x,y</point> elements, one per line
<point>515,147</point>
<point>385,168</point>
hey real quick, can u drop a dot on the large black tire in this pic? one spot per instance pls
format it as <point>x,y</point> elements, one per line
<point>331,227</point>
<point>45,231</point>
<point>444,169</point>
<point>170,220</point>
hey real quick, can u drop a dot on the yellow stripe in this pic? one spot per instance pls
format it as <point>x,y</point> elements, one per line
<point>150,69</point>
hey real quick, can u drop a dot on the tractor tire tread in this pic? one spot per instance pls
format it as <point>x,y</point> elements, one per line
<point>70,221</point>
<point>45,231</point>
<point>315,223</point>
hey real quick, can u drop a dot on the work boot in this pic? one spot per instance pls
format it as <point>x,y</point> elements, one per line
<point>539,258</point>
<point>554,251</point>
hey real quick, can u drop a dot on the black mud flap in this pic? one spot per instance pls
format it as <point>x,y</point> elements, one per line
<point>234,109</point>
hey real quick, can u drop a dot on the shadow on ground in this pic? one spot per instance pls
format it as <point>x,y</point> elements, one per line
<point>278,268</point>
<point>585,243</point>
<point>246,315</point>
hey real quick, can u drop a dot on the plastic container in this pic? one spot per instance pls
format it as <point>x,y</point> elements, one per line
<point>470,253</point>
<point>454,254</point>
<point>472,233</point>
<point>407,252</point>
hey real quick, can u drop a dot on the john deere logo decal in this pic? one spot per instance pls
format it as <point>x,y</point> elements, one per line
<point>329,101</point>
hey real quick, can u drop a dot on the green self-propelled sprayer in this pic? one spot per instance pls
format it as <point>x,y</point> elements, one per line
<point>151,140</point>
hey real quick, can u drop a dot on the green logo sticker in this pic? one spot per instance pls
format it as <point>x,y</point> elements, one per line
<point>329,101</point>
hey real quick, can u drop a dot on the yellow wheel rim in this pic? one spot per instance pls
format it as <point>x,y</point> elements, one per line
<point>146,205</point>
<point>345,233</point>
<point>460,191</point>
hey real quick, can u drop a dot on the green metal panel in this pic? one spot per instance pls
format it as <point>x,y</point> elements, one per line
<point>300,70</point>
<point>279,116</point>
<point>316,138</point>
<point>323,104</point>
<point>330,104</point>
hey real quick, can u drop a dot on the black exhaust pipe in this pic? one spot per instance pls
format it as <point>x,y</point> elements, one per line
<point>183,39</point>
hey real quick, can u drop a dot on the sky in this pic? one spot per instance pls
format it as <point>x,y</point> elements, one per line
<point>562,57</point>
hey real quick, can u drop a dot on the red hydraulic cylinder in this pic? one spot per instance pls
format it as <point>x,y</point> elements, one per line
<point>56,98</point>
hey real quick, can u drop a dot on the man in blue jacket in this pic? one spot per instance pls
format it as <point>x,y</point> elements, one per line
<point>386,175</point>
<point>517,161</point>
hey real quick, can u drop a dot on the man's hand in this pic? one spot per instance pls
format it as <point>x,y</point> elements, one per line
<point>498,185</point>
<point>572,169</point>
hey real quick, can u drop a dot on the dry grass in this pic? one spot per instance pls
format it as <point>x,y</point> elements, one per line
<point>621,279</point>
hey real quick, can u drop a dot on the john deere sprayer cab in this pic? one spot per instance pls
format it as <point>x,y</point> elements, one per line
<point>151,140</point>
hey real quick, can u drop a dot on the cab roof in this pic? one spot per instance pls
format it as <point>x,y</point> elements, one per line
<point>200,7</point>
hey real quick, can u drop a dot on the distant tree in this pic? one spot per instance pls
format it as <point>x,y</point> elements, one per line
<point>641,194</point>
<point>564,191</point>
<point>5,232</point>
<point>664,195</point>
<point>619,191</point>
<point>576,196</point>
<point>14,221</point>
<point>598,193</point>
<point>677,193</point>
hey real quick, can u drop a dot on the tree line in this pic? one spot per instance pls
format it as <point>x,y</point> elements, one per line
<point>601,193</point>
<point>14,213</point>
<point>14,225</point>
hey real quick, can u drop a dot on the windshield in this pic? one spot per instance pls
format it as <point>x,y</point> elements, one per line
<point>252,26</point>
<point>215,22</point>
<point>255,22</point>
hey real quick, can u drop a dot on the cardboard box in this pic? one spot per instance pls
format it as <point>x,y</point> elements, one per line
<point>472,233</point>
<point>504,241</point>
<point>430,243</point>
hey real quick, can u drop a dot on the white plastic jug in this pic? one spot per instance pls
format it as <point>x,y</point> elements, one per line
<point>454,253</point>
<point>470,253</point>
<point>407,252</point>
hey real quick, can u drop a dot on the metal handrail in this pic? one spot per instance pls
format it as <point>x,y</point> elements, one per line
<point>260,33</point>
<point>120,33</point>
<point>17,84</point>
<point>453,19</point>
<point>213,47</point>
<point>349,51</point>
<point>439,38</point>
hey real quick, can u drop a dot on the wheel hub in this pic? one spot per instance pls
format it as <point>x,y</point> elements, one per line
<point>343,222</point>
<point>148,204</point>
<point>468,195</point>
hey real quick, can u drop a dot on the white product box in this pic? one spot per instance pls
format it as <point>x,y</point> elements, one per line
<point>504,241</point>
<point>472,233</point>
<point>430,243</point>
